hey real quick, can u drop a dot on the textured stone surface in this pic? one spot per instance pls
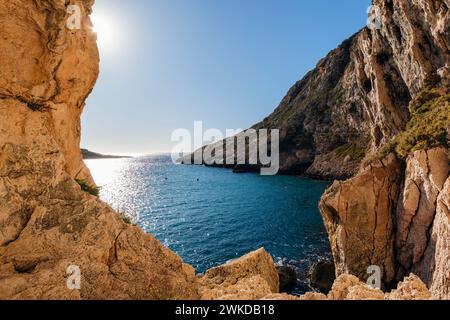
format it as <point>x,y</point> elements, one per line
<point>46,222</point>
<point>358,215</point>
<point>411,288</point>
<point>348,287</point>
<point>366,223</point>
<point>252,276</point>
<point>287,277</point>
<point>440,283</point>
<point>424,180</point>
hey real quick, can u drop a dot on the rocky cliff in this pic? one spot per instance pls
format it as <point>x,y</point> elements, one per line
<point>51,220</point>
<point>52,226</point>
<point>357,97</point>
<point>376,111</point>
<point>394,212</point>
<point>47,222</point>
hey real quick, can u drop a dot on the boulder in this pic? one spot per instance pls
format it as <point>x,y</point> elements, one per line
<point>252,276</point>
<point>359,218</point>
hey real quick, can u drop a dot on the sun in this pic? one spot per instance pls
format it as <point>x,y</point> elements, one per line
<point>105,26</point>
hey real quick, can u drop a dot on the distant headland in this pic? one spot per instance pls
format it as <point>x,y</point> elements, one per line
<point>94,155</point>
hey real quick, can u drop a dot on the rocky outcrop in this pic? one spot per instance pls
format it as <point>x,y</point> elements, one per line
<point>50,226</point>
<point>425,175</point>
<point>47,223</point>
<point>358,216</point>
<point>411,288</point>
<point>287,277</point>
<point>440,235</point>
<point>391,214</point>
<point>251,277</point>
<point>348,287</point>
<point>356,99</point>
<point>397,220</point>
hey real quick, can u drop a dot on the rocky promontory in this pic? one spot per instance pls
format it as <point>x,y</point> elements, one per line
<point>359,94</point>
<point>88,155</point>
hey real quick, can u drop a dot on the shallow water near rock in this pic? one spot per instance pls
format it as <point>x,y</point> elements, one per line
<point>209,215</point>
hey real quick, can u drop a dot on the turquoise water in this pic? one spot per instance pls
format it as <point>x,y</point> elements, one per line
<point>210,215</point>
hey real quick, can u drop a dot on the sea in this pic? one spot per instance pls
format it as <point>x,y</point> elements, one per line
<point>209,216</point>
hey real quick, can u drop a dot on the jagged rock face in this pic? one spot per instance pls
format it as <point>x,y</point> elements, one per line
<point>47,223</point>
<point>413,231</point>
<point>358,216</point>
<point>356,99</point>
<point>348,287</point>
<point>46,66</point>
<point>424,180</point>
<point>393,218</point>
<point>251,277</point>
<point>440,283</point>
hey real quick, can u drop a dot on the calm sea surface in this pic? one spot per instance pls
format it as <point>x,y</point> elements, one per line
<point>210,215</point>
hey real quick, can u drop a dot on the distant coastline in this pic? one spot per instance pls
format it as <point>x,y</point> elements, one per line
<point>89,155</point>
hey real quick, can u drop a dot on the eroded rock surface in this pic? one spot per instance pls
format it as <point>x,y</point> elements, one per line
<point>425,175</point>
<point>440,282</point>
<point>385,210</point>
<point>253,276</point>
<point>358,215</point>
<point>356,99</point>
<point>348,287</point>
<point>47,223</point>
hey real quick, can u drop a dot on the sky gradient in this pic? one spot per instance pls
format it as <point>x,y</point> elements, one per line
<point>167,63</point>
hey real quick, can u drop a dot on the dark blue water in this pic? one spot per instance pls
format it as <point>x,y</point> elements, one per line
<point>210,215</point>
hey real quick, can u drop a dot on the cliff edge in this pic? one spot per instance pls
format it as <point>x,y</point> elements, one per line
<point>394,212</point>
<point>52,224</point>
<point>47,222</point>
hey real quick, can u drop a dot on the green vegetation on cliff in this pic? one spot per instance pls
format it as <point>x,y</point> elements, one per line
<point>429,123</point>
<point>86,187</point>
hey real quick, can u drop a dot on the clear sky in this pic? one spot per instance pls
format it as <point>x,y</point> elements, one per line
<point>167,63</point>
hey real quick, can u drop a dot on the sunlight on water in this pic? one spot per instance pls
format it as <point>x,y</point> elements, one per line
<point>106,171</point>
<point>209,216</point>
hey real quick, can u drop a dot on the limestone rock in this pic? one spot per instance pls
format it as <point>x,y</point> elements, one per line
<point>252,276</point>
<point>424,180</point>
<point>47,223</point>
<point>440,284</point>
<point>358,215</point>
<point>356,98</point>
<point>412,288</point>
<point>348,287</point>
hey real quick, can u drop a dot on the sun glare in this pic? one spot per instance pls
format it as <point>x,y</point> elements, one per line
<point>107,30</point>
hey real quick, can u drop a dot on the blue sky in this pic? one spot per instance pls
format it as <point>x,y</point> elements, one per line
<point>167,63</point>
